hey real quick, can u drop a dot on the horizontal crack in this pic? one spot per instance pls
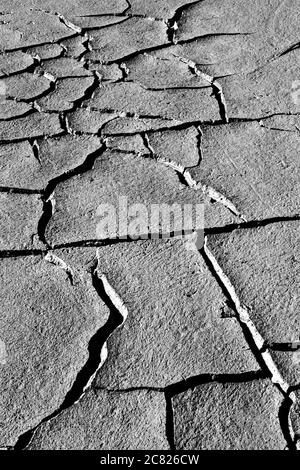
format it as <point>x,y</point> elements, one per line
<point>22,253</point>
<point>146,236</point>
<point>154,236</point>
<point>287,347</point>
<point>195,381</point>
<point>9,189</point>
<point>251,224</point>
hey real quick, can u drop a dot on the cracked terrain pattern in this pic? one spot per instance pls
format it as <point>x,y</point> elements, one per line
<point>110,340</point>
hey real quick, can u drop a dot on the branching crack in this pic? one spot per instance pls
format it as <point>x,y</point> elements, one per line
<point>256,343</point>
<point>97,348</point>
<point>216,87</point>
<point>48,194</point>
<point>244,318</point>
<point>187,179</point>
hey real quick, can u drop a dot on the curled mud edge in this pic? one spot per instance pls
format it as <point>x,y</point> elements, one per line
<point>115,304</point>
<point>244,318</point>
<point>52,258</point>
<point>48,211</point>
<point>115,298</point>
<point>208,191</point>
<point>69,24</point>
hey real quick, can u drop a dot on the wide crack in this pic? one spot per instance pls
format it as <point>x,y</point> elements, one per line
<point>97,349</point>
<point>49,196</point>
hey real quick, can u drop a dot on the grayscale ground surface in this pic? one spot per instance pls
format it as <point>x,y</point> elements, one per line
<point>109,343</point>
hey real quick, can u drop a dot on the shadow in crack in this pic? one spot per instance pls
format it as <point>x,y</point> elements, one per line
<point>48,192</point>
<point>284,412</point>
<point>95,360</point>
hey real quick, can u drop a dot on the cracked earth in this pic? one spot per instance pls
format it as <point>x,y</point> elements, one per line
<point>111,343</point>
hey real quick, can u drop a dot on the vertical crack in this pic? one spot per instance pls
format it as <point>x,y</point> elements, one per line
<point>219,95</point>
<point>228,288</point>
<point>64,124</point>
<point>49,196</point>
<point>147,144</point>
<point>128,8</point>
<point>97,348</point>
<point>124,70</point>
<point>199,145</point>
<point>48,210</point>
<point>35,149</point>
<point>172,23</point>
<point>217,91</point>
<point>170,427</point>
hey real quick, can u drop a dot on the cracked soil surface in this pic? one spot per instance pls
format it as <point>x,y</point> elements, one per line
<point>122,343</point>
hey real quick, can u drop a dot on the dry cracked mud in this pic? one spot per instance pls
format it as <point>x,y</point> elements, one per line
<point>114,335</point>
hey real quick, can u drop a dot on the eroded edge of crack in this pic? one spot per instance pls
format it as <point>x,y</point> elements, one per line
<point>244,317</point>
<point>261,347</point>
<point>53,259</point>
<point>245,321</point>
<point>187,179</point>
<point>97,346</point>
<point>49,192</point>
<point>172,23</point>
